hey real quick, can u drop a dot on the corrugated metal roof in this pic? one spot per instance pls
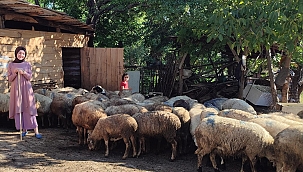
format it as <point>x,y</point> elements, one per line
<point>39,14</point>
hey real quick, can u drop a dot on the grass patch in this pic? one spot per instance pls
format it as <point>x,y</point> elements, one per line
<point>301,98</point>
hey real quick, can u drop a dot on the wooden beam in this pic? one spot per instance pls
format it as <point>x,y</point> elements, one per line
<point>2,26</point>
<point>61,26</point>
<point>19,17</point>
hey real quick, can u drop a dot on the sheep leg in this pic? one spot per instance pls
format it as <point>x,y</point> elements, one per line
<point>106,147</point>
<point>49,120</point>
<point>199,163</point>
<point>184,147</point>
<point>141,141</point>
<point>174,149</point>
<point>253,161</point>
<point>212,157</point>
<point>85,136</point>
<point>42,121</point>
<point>133,141</point>
<point>127,147</point>
<point>80,135</point>
<point>244,158</point>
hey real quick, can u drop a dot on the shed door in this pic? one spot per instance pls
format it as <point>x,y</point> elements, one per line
<point>71,67</point>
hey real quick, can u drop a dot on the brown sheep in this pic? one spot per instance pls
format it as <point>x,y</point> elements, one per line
<point>115,126</point>
<point>158,123</point>
<point>85,116</point>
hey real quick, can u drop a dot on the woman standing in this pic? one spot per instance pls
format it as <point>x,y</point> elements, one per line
<point>27,105</point>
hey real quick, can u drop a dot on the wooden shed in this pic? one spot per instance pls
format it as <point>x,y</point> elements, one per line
<point>56,47</point>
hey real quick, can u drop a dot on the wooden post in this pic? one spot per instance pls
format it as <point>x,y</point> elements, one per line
<point>2,26</point>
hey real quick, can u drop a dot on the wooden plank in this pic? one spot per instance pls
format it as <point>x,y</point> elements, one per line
<point>92,67</point>
<point>114,57</point>
<point>13,33</point>
<point>109,69</point>
<point>104,69</point>
<point>120,66</point>
<point>98,66</point>
<point>85,74</point>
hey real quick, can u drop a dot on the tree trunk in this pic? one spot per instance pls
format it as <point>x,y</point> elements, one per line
<point>272,84</point>
<point>285,89</point>
<point>243,72</point>
<point>180,90</point>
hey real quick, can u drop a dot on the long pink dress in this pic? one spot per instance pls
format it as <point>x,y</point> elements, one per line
<point>28,106</point>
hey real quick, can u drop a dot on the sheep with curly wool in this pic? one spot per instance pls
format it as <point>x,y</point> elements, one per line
<point>116,126</point>
<point>238,104</point>
<point>288,149</point>
<point>85,116</point>
<point>231,137</point>
<point>237,114</point>
<point>130,109</point>
<point>156,124</point>
<point>270,125</point>
<point>183,132</point>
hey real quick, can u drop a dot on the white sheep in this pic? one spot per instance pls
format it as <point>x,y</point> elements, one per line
<point>232,137</point>
<point>85,116</point>
<point>215,103</point>
<point>238,104</point>
<point>130,109</point>
<point>116,126</point>
<point>280,119</point>
<point>43,107</point>
<point>157,123</point>
<point>288,115</point>
<point>288,149</point>
<point>197,105</point>
<point>270,125</point>
<point>172,100</point>
<point>135,97</point>
<point>196,115</point>
<point>237,114</point>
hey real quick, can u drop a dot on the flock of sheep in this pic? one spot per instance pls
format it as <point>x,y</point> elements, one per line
<point>220,127</point>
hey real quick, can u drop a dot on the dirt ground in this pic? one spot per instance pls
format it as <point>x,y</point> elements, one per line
<point>58,150</point>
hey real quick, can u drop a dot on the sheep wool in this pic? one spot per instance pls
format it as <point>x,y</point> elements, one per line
<point>288,115</point>
<point>270,125</point>
<point>280,119</point>
<point>85,116</point>
<point>4,102</point>
<point>130,109</point>
<point>237,114</point>
<point>115,126</point>
<point>238,104</point>
<point>231,137</point>
<point>43,107</point>
<point>158,123</point>
<point>288,149</point>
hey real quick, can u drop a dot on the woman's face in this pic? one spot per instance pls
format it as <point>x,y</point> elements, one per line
<point>21,55</point>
